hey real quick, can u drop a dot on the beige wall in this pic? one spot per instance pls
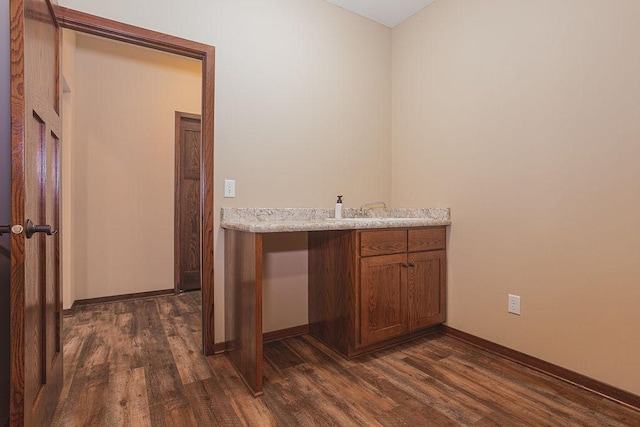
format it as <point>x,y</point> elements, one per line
<point>303,113</point>
<point>523,117</point>
<point>67,160</point>
<point>285,284</point>
<point>123,165</point>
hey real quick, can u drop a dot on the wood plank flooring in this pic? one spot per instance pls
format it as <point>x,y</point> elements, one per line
<point>138,363</point>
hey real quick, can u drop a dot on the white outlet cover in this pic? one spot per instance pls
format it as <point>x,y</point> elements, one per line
<point>514,304</point>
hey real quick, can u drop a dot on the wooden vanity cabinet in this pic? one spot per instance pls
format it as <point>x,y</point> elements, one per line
<point>372,288</point>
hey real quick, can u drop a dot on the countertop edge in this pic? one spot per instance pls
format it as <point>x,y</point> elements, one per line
<point>325,225</point>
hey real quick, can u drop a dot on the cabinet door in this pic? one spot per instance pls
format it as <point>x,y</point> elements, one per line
<point>427,288</point>
<point>383,297</point>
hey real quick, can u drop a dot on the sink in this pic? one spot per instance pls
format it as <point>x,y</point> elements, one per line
<point>375,219</point>
<point>353,219</point>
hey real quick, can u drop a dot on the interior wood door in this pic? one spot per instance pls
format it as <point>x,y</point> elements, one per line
<point>383,297</point>
<point>187,203</point>
<point>36,344</point>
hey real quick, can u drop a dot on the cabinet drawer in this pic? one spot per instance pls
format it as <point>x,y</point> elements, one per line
<point>383,242</point>
<point>427,239</point>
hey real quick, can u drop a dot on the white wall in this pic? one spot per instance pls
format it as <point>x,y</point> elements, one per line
<point>524,118</point>
<point>302,109</point>
<point>122,165</point>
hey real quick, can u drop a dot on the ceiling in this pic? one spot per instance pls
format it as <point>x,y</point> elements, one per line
<point>386,12</point>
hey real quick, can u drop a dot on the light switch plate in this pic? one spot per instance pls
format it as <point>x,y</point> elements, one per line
<point>229,188</point>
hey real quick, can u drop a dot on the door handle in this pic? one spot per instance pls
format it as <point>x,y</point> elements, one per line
<point>32,229</point>
<point>5,229</point>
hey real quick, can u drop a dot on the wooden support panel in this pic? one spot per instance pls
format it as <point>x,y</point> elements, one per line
<point>243,305</point>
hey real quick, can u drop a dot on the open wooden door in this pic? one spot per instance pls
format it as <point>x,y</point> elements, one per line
<point>36,345</point>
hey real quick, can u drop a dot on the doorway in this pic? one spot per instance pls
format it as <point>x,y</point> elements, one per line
<point>186,240</point>
<point>101,27</point>
<point>120,179</point>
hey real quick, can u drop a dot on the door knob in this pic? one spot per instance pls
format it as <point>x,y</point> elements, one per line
<point>5,229</point>
<point>32,229</point>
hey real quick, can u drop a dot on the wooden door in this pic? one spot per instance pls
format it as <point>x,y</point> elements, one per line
<point>427,288</point>
<point>383,297</point>
<point>36,345</point>
<point>187,203</point>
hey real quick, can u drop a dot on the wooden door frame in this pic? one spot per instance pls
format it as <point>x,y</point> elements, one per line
<point>95,25</point>
<point>177,227</point>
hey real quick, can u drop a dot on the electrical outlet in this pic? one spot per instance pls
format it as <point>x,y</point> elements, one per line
<point>229,188</point>
<point>514,304</point>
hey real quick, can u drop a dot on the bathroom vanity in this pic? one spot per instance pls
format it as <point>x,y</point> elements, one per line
<point>373,282</point>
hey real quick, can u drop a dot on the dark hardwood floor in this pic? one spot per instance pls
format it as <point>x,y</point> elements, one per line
<point>138,363</point>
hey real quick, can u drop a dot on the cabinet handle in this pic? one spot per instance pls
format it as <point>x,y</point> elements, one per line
<point>405,265</point>
<point>411,264</point>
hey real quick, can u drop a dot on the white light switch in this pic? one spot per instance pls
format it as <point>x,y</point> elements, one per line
<point>229,188</point>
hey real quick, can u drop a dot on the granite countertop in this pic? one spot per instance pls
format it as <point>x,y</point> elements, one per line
<point>280,220</point>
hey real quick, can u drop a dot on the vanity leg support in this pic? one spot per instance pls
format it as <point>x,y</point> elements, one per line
<point>243,305</point>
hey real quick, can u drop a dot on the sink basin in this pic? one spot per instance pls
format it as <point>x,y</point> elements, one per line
<point>353,219</point>
<point>375,219</point>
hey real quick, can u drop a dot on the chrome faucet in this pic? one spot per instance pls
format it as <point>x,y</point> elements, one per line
<point>370,205</point>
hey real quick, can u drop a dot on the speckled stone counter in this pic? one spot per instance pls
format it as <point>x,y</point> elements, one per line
<point>279,220</point>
